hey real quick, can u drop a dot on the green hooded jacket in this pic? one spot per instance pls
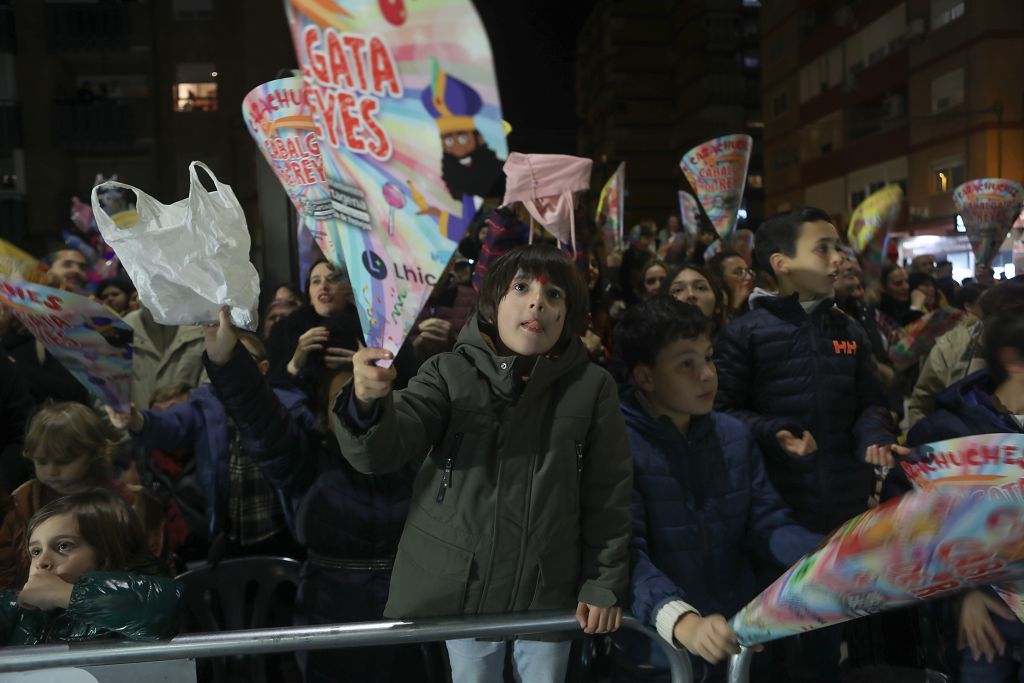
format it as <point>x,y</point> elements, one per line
<point>102,605</point>
<point>522,502</point>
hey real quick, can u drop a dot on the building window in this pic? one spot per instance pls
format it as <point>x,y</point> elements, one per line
<point>755,181</point>
<point>856,198</point>
<point>948,90</point>
<point>785,158</point>
<point>195,88</point>
<point>946,11</point>
<point>780,104</point>
<point>947,176</point>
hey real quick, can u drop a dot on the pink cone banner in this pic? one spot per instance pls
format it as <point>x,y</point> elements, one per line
<point>990,464</point>
<point>280,120</point>
<point>988,207</point>
<point>611,208</point>
<point>927,544</point>
<point>406,102</point>
<point>85,336</point>
<point>717,172</point>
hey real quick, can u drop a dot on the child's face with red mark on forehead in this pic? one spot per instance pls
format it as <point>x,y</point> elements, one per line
<point>531,315</point>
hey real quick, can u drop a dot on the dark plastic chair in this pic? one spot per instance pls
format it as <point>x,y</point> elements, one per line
<point>242,593</point>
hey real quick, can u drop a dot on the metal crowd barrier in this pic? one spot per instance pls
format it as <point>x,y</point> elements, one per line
<point>739,666</point>
<point>267,640</point>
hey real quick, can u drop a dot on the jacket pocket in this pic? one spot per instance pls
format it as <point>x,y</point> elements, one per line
<point>430,577</point>
<point>557,579</point>
<point>447,465</point>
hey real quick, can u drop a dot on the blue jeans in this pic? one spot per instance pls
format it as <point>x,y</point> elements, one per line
<point>1006,668</point>
<point>481,661</point>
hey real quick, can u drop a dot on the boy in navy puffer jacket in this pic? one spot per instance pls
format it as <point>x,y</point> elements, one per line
<point>800,374</point>
<point>701,499</point>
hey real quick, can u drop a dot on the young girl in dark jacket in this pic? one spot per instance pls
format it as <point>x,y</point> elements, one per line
<point>92,577</point>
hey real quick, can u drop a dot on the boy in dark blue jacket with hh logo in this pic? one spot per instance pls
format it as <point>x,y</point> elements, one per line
<point>701,499</point>
<point>800,374</point>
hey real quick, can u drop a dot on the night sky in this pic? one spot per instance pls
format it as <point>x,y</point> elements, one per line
<point>534,47</point>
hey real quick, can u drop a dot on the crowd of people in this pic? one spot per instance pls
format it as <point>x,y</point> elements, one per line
<point>649,429</point>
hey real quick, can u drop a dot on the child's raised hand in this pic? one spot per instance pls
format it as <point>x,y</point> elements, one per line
<point>45,591</point>
<point>797,447</point>
<point>220,338</point>
<point>594,619</point>
<point>976,628</point>
<point>710,638</point>
<point>132,421</point>
<point>371,382</point>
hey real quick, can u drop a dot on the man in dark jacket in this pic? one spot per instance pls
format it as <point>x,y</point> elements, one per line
<point>701,498</point>
<point>799,373</point>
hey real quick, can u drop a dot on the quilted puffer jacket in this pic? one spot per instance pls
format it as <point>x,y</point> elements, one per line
<point>782,368</point>
<point>102,605</point>
<point>702,505</point>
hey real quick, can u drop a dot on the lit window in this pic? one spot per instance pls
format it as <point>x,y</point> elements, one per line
<point>195,88</point>
<point>755,181</point>
<point>947,176</point>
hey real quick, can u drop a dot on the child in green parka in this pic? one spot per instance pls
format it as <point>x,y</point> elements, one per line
<point>522,502</point>
<point>91,577</point>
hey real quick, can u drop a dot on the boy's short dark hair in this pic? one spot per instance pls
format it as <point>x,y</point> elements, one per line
<point>1003,331</point>
<point>651,325</point>
<point>779,234</point>
<point>533,260</point>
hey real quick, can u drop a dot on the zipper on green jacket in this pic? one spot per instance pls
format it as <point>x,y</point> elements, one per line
<point>449,463</point>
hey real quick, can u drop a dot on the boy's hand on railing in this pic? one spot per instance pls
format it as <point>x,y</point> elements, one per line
<point>594,619</point>
<point>710,638</point>
<point>371,382</point>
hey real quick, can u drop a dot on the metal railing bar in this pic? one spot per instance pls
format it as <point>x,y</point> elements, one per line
<point>739,666</point>
<point>363,634</point>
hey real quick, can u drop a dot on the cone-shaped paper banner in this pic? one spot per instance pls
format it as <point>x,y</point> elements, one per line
<point>989,462</point>
<point>717,171</point>
<point>988,207</point>
<point>411,135</point>
<point>19,265</point>
<point>927,544</point>
<point>611,209</point>
<point>869,226</point>
<point>85,336</point>
<point>280,120</point>
<point>690,213</point>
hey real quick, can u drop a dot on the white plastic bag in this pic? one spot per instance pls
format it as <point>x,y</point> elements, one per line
<point>189,258</point>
